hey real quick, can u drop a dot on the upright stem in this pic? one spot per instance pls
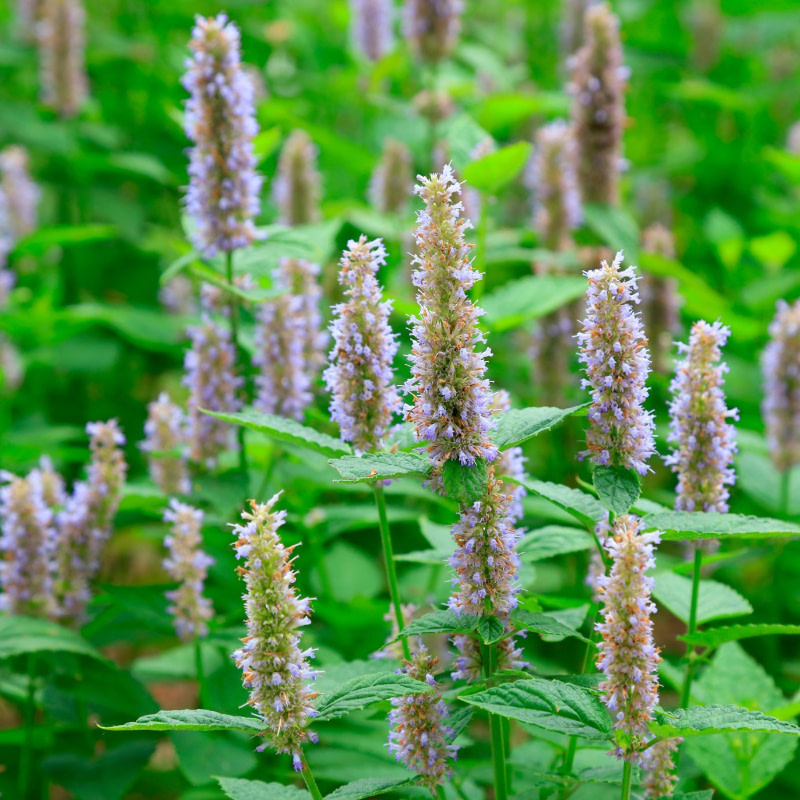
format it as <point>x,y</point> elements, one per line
<point>784,489</point>
<point>29,710</point>
<point>627,780</point>
<point>199,673</point>
<point>488,653</point>
<point>233,314</point>
<point>690,666</point>
<point>439,793</point>
<point>311,784</point>
<point>388,557</point>
<point>480,243</point>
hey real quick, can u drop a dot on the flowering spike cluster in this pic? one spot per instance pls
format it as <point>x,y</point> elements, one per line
<point>485,560</point>
<point>360,377</point>
<point>21,193</point>
<point>165,444</point>
<point>223,193</point>
<point>659,768</point>
<point>290,341</point>
<point>469,661</point>
<point>598,86</point>
<point>296,189</point>
<point>552,179</point>
<point>188,565</point>
<point>510,462</point>
<point>393,650</point>
<point>551,349</point>
<point>85,522</point>
<point>12,372</point>
<point>61,38</point>
<point>793,139</point>
<point>27,539</point>
<point>216,299</point>
<point>391,184</point>
<point>274,668</point>
<point>627,655</point>
<point>177,296</point>
<point>613,348</point>
<point>451,396</point>
<point>419,735</point>
<point>432,27</point>
<point>7,279</point>
<point>703,440</point>
<point>213,385</point>
<point>781,405</point>
<point>26,15</point>
<point>371,27</point>
<point>572,26</point>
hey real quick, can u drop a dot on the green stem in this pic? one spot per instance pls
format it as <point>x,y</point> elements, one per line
<point>311,784</point>
<point>439,793</point>
<point>480,244</point>
<point>233,314</point>
<point>199,674</point>
<point>388,557</point>
<point>627,781</point>
<point>495,730</point>
<point>785,488</point>
<point>29,711</point>
<point>686,694</point>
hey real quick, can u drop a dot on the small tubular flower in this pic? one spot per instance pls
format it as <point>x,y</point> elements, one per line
<point>451,408</point>
<point>613,349</point>
<point>213,384</point>
<point>703,440</point>
<point>360,377</point>
<point>780,364</point>
<point>419,735</point>
<point>223,193</point>
<point>598,85</point>
<point>165,445</point>
<point>432,27</point>
<point>188,565</point>
<point>296,190</point>
<point>627,656</point>
<point>371,27</point>
<point>290,341</point>
<point>274,668</point>
<point>21,193</point>
<point>392,183</point>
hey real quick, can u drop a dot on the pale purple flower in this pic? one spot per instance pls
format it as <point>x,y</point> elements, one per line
<point>7,280</point>
<point>26,14</point>
<point>392,182</point>
<point>420,736</point>
<point>371,27</point>
<point>215,299</point>
<point>451,409</point>
<point>213,384</point>
<point>296,189</point>
<point>469,661</point>
<point>703,440</point>
<point>224,187</point>
<point>572,25</point>
<point>793,139</point>
<point>177,296</point>
<point>780,364</point>
<point>12,371</point>
<point>360,376</point>
<point>627,655</point>
<point>659,768</point>
<point>275,670</point>
<point>290,341</point>
<point>165,444</point>
<point>613,349</point>
<point>511,461</point>
<point>394,649</point>
<point>599,81</point>
<point>188,565</point>
<point>432,27</point>
<point>22,195</point>
<point>61,36</point>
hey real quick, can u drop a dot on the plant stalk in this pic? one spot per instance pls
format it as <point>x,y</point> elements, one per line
<point>627,781</point>
<point>495,730</point>
<point>199,674</point>
<point>686,693</point>
<point>785,490</point>
<point>233,314</point>
<point>29,711</point>
<point>311,784</point>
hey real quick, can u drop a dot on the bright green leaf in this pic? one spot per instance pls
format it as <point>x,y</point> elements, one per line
<point>368,787</point>
<point>715,601</point>
<point>518,425</point>
<point>708,720</point>
<point>465,484</point>
<point>543,624</point>
<point>714,637</point>
<point>693,525</point>
<point>618,488</point>
<point>241,789</point>
<point>491,173</point>
<point>585,508</point>
<point>375,466</point>
<point>191,719</point>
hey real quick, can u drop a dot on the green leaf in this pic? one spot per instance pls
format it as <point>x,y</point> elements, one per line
<point>190,719</point>
<point>490,629</point>
<point>465,484</point>
<point>708,720</point>
<point>441,621</point>
<point>519,301</point>
<point>285,430</point>
<point>201,754</point>
<point>518,425</point>
<point>553,540</point>
<point>368,787</point>
<point>64,235</point>
<point>491,173</point>
<point>585,508</point>
<point>22,635</point>
<point>616,227</point>
<point>543,624</point>
<point>714,637</point>
<point>715,601</point>
<point>552,705</point>
<point>242,789</point>
<point>618,488</point>
<point>692,525</point>
<point>376,466</point>
<point>462,134</point>
<point>364,691</point>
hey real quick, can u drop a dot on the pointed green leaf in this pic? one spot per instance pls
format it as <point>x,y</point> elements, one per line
<point>368,787</point>
<point>714,637</point>
<point>518,425</point>
<point>553,540</point>
<point>376,466</point>
<point>20,635</point>
<point>191,719</point>
<point>441,621</point>
<point>618,488</point>
<point>585,508</point>
<point>552,705</point>
<point>716,600</point>
<point>494,171</point>
<point>543,624</point>
<point>490,629</point>
<point>692,525</point>
<point>465,484</point>
<point>285,430</point>
<point>708,720</point>
<point>242,789</point>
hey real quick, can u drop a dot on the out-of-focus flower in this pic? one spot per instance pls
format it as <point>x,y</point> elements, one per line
<point>61,35</point>
<point>392,180</point>
<point>659,766</point>
<point>510,462</point>
<point>394,651</point>
<point>793,139</point>
<point>223,194</point>
<point>215,299</point>
<point>177,296</point>
<point>296,189</point>
<point>165,444</point>
<point>432,27</point>
<point>469,661</point>
<point>371,27</point>
<point>572,25</point>
<point>21,193</point>
<point>552,345</point>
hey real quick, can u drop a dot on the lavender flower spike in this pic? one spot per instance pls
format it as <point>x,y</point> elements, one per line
<point>451,409</point>
<point>212,385</point>
<point>360,377</point>
<point>22,194</point>
<point>61,35</point>
<point>223,193</point>
<point>660,778</point>
<point>419,735</point>
<point>511,461</point>
<point>627,655</point>
<point>613,348</point>
<point>165,443</point>
<point>704,442</point>
<point>432,27</point>
<point>274,668</point>
<point>188,565</point>
<point>392,182</point>
<point>371,27</point>
<point>296,189</point>
<point>781,405</point>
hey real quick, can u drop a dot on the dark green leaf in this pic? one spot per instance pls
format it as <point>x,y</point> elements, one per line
<point>375,466</point>
<point>553,540</point>
<point>543,624</point>
<point>191,719</point>
<point>442,621</point>
<point>21,635</point>
<point>691,525</point>
<point>241,789</point>
<point>368,787</point>
<point>714,637</point>
<point>518,425</point>
<point>491,173</point>
<point>585,508</point>
<point>715,601</point>
<point>708,720</point>
<point>618,488</point>
<point>465,484</point>
<point>364,691</point>
<point>490,629</point>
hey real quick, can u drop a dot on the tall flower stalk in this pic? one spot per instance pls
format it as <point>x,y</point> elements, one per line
<point>297,185</point>
<point>165,444</point>
<point>21,193</point>
<point>432,27</point>
<point>61,36</point>
<point>371,27</point>
<point>392,183</point>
